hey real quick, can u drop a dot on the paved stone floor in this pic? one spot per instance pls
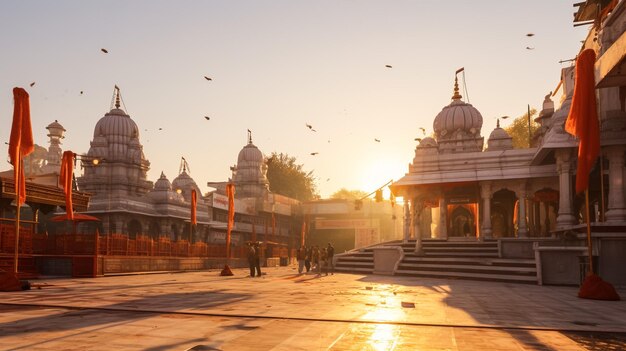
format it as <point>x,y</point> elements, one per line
<point>284,311</point>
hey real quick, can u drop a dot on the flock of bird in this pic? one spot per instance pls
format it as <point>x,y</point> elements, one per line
<point>309,126</point>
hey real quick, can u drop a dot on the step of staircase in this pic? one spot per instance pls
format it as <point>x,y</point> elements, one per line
<point>469,275</point>
<point>474,260</point>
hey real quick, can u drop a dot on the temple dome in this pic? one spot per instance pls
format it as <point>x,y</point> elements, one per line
<point>457,126</point>
<point>250,173</point>
<point>427,145</point>
<point>499,139</point>
<point>163,193</point>
<point>185,184</point>
<point>250,153</point>
<point>120,132</point>
<point>458,116</point>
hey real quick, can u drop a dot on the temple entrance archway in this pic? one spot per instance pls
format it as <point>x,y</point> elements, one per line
<point>462,222</point>
<point>502,208</point>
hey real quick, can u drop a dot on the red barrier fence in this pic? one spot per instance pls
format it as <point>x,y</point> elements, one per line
<point>114,245</point>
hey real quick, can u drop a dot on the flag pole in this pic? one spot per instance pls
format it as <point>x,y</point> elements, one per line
<point>589,245</point>
<point>601,187</point>
<point>17,222</point>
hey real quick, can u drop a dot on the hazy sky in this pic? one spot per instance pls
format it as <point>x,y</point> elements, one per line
<point>277,65</point>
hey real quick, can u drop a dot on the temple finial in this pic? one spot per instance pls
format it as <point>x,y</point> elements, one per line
<point>498,123</point>
<point>249,136</point>
<point>456,95</point>
<point>117,97</point>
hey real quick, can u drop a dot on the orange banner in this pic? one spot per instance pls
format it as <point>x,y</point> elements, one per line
<point>582,120</point>
<point>66,179</point>
<point>21,141</point>
<point>194,200</point>
<point>230,192</point>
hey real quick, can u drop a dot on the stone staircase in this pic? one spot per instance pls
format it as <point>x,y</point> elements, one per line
<point>447,259</point>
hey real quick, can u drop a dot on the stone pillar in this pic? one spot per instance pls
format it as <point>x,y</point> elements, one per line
<point>565,217</point>
<point>407,222</point>
<point>443,218</point>
<point>418,207</point>
<point>616,209</point>
<point>522,229</point>
<point>486,195</point>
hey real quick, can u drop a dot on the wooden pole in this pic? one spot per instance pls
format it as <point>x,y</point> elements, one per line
<point>601,187</point>
<point>17,224</point>
<point>589,247</point>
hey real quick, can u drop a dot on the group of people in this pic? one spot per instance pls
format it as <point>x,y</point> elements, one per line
<point>254,258</point>
<point>316,259</point>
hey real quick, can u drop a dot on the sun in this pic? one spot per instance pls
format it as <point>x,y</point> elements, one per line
<point>378,172</point>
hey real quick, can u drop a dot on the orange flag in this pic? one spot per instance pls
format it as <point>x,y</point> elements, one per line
<point>582,120</point>
<point>66,178</point>
<point>194,200</point>
<point>230,192</point>
<point>21,142</point>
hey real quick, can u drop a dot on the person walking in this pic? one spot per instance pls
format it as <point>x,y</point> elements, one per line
<point>330,253</point>
<point>315,257</point>
<point>257,258</point>
<point>251,259</point>
<point>301,255</point>
<point>307,258</point>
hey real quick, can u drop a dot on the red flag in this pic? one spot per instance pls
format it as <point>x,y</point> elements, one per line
<point>66,178</point>
<point>194,200</point>
<point>21,142</point>
<point>582,120</point>
<point>230,192</point>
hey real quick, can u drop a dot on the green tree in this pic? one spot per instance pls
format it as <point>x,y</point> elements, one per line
<point>344,193</point>
<point>518,130</point>
<point>288,178</point>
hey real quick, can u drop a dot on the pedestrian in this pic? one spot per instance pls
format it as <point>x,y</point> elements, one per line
<point>323,262</point>
<point>301,256</point>
<point>315,258</point>
<point>330,253</point>
<point>251,258</point>
<point>257,258</point>
<point>307,258</point>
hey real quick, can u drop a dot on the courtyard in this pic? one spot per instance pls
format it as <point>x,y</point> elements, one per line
<point>286,311</point>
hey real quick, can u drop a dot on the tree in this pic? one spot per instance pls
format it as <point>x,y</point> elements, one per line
<point>288,178</point>
<point>518,130</point>
<point>344,193</point>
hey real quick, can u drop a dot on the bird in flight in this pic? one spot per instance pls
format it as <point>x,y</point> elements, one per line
<point>81,92</point>
<point>327,179</point>
<point>314,153</point>
<point>377,140</point>
<point>104,50</point>
<point>422,129</point>
<point>418,139</point>
<point>310,127</point>
<point>160,128</point>
<point>529,48</point>
<point>388,66</point>
<point>32,84</point>
<point>207,78</point>
<point>207,118</point>
<point>530,34</point>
